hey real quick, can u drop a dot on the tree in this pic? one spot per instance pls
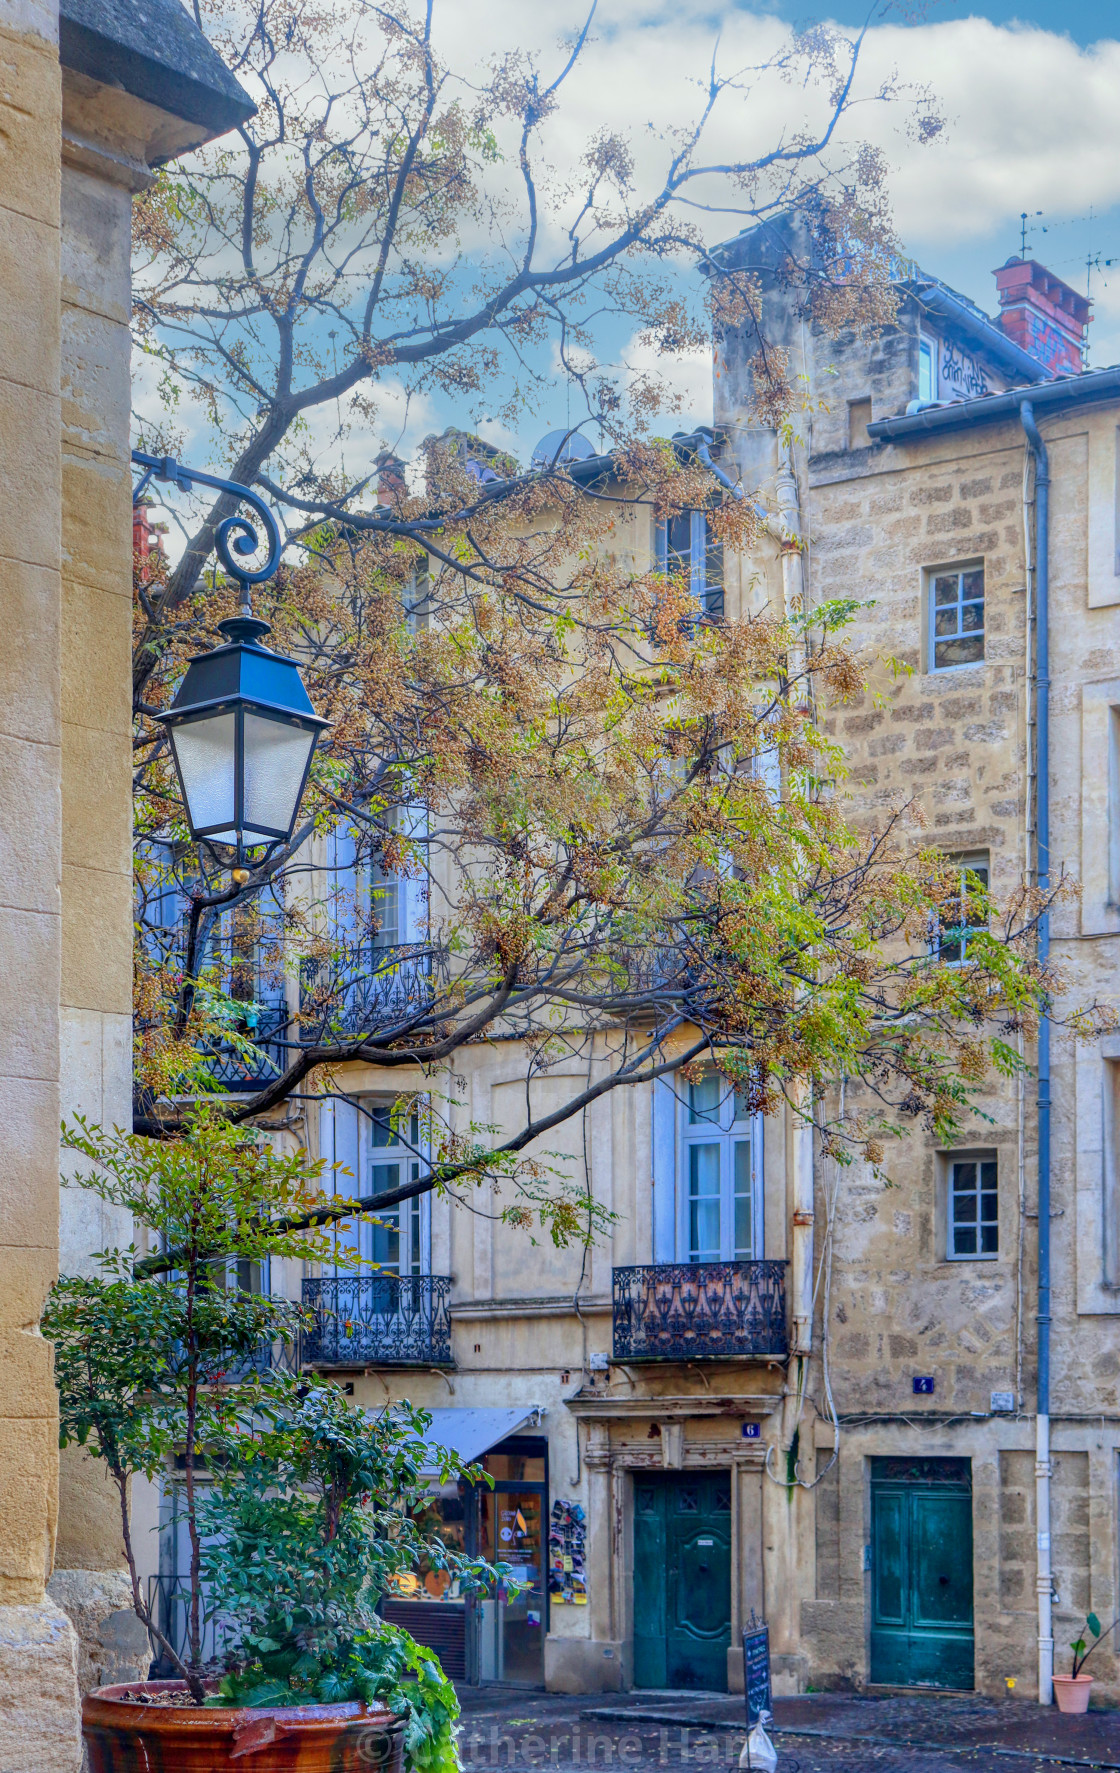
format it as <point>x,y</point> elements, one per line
<point>301,1510</point>
<point>618,807</point>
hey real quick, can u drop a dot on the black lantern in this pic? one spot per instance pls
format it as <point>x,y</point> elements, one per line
<point>242,728</point>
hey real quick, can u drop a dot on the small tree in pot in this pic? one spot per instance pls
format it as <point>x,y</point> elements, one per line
<point>297,1505</point>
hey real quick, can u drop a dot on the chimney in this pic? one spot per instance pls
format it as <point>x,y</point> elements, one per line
<point>390,476</point>
<point>1043,315</point>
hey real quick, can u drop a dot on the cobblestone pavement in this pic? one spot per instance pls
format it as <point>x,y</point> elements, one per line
<point>522,1729</point>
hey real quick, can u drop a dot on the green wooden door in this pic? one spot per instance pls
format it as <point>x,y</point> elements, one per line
<point>921,1573</point>
<point>682,1579</point>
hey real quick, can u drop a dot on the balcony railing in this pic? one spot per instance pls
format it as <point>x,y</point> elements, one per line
<point>383,1320</point>
<point>389,985</point>
<point>687,1311</point>
<point>267,1028</point>
<point>267,1357</point>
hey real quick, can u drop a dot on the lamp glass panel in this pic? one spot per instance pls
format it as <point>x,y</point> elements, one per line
<point>206,755</point>
<point>275,760</point>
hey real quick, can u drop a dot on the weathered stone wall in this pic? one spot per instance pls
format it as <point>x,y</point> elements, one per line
<point>875,519</point>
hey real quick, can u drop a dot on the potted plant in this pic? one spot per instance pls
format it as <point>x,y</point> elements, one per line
<point>1072,1690</point>
<point>298,1507</point>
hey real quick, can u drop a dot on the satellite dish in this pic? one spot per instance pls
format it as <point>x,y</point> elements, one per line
<point>562,447</point>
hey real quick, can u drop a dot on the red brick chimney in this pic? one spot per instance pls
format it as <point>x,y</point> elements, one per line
<point>1043,314</point>
<point>390,476</point>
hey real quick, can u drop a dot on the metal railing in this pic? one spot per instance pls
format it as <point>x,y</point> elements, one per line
<point>269,1357</point>
<point>169,1602</point>
<point>383,1320</point>
<point>686,1311</point>
<point>393,984</point>
<point>267,1028</point>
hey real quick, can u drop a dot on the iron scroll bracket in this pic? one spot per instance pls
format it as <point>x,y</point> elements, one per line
<point>235,535</point>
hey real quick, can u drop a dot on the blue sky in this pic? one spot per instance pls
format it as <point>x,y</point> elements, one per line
<point>1030,94</point>
<point>1086,21</point>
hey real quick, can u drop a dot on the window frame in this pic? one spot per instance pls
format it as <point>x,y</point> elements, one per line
<point>728,1130</point>
<point>927,346</point>
<point>708,593</point>
<point>979,1156</point>
<point>361,1236</point>
<point>970,862</point>
<point>958,569</point>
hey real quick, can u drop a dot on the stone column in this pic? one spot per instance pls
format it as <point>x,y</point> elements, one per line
<point>38,1670</point>
<point>99,176</point>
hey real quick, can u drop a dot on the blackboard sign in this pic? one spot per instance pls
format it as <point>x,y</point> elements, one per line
<point>756,1672</point>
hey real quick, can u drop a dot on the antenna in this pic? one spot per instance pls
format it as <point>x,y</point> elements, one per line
<point>1026,215</point>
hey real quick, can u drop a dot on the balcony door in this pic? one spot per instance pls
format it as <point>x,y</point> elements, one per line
<point>377,1152</point>
<point>719,1174</point>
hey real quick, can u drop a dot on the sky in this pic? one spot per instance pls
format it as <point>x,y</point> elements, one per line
<point>1029,93</point>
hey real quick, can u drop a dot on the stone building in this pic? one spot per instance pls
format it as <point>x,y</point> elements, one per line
<point>854,1457</point>
<point>94,95</point>
<point>651,1500</point>
<point>915,488</point>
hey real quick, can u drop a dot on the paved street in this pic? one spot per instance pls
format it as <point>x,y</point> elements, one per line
<point>817,1733</point>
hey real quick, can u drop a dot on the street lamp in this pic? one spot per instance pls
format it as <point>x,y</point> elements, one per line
<point>241,728</point>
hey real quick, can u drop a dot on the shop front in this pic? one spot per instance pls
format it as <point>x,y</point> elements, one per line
<point>497,1636</point>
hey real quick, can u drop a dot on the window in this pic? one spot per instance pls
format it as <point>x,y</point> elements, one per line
<point>956,617</point>
<point>973,1199</point>
<point>965,911</point>
<point>394,1241</point>
<point>377,1150</point>
<point>859,417</point>
<point>385,905</point>
<point>927,369</point>
<point>720,1174</point>
<point>685,545</point>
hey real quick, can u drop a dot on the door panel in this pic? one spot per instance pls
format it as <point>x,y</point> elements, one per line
<point>888,1579</point>
<point>942,1554</point>
<point>510,1530</point>
<point>682,1580</point>
<point>649,1585</point>
<point>921,1582</point>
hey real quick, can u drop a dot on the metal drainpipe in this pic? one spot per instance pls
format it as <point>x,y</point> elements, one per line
<point>1042,1469</point>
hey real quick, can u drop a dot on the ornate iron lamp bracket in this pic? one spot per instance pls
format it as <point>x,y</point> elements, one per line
<point>234,535</point>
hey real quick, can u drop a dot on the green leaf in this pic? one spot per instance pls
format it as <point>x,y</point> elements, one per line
<point>1094,1625</point>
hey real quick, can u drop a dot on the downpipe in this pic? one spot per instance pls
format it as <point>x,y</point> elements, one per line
<point>1042,1469</point>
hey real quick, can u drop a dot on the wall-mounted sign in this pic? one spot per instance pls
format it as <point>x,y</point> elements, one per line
<point>923,1384</point>
<point>751,1431</point>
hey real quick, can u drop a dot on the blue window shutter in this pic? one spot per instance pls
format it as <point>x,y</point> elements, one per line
<point>664,1172</point>
<point>339,1134</point>
<point>698,540</point>
<point>661,544</point>
<point>413,888</point>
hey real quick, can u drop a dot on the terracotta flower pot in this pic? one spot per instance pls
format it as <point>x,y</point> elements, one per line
<point>1072,1692</point>
<point>126,1733</point>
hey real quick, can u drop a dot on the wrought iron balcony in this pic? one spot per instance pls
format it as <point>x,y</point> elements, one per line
<point>687,1311</point>
<point>378,1320</point>
<point>380,987</point>
<point>267,1357</point>
<point>266,1025</point>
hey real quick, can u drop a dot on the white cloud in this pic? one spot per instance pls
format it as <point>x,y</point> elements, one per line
<point>1032,123</point>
